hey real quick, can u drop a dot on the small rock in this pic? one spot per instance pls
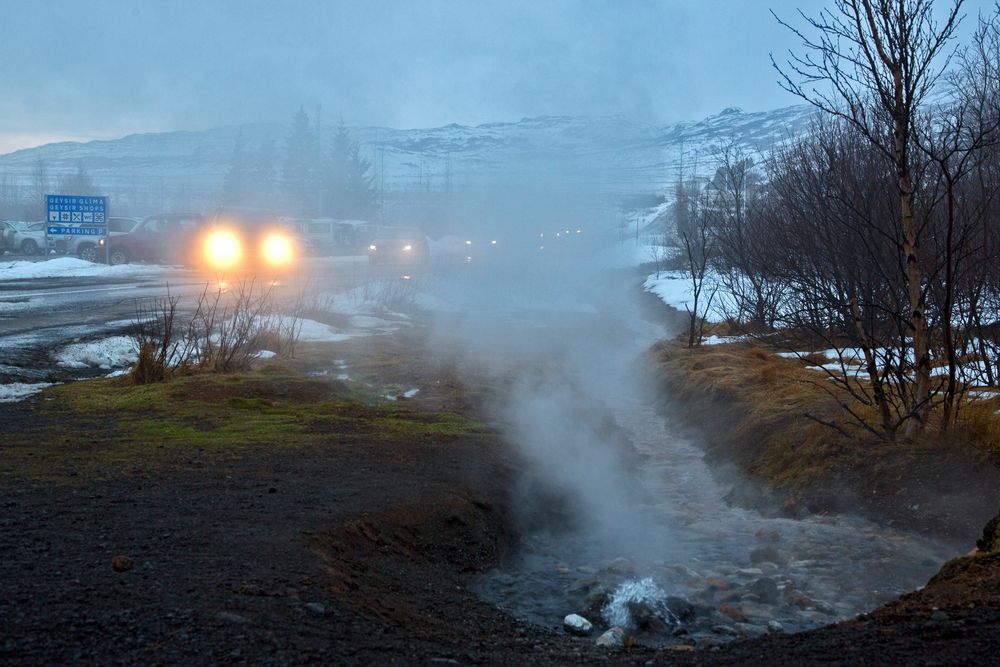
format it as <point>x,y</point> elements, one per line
<point>766,554</point>
<point>938,615</point>
<point>768,568</point>
<point>316,608</point>
<point>644,617</point>
<point>797,599</point>
<point>824,607</point>
<point>251,589</point>
<point>724,630</point>
<point>750,630</point>
<point>774,626</point>
<point>768,535</point>
<point>614,638</point>
<point>122,563</point>
<point>577,625</point>
<point>681,608</point>
<point>732,612</point>
<point>766,589</point>
<point>750,572</point>
<point>718,584</point>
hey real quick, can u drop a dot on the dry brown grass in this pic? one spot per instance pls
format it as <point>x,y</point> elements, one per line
<point>754,404</point>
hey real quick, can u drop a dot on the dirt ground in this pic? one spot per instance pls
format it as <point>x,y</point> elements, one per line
<point>339,550</point>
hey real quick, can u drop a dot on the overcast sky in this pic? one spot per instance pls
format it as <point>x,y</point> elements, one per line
<point>103,68</point>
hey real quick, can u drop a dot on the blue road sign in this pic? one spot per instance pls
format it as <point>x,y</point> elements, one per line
<point>71,214</point>
<point>56,230</point>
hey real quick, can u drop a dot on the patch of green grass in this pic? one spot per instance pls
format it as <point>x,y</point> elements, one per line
<point>102,427</point>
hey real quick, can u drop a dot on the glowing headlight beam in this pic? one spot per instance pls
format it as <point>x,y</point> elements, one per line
<point>277,250</point>
<point>223,249</point>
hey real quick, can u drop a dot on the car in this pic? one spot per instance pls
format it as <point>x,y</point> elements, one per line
<point>329,236</point>
<point>26,238</point>
<point>90,246</point>
<point>243,239</point>
<point>164,238</point>
<point>396,245</point>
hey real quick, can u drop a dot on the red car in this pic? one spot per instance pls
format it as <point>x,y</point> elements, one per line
<point>166,239</point>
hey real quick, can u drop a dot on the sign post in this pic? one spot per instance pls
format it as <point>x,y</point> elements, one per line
<point>71,215</point>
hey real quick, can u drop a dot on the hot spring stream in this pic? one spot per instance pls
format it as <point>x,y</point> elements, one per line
<point>797,573</point>
<point>651,542</point>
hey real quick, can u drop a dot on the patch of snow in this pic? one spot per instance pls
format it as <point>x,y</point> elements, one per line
<point>410,393</point>
<point>13,392</point>
<point>311,331</point>
<point>106,354</point>
<point>343,377</point>
<point>71,267</point>
<point>674,289</point>
<point>266,354</point>
<point>723,340</point>
<point>982,394</point>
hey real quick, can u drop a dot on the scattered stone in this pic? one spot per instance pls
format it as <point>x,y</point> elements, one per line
<point>750,630</point>
<point>938,615</point>
<point>774,626</point>
<point>755,610</point>
<point>768,535</point>
<point>596,600</point>
<point>768,568</point>
<point>577,625</point>
<point>230,617</point>
<point>686,572</point>
<point>766,589</point>
<point>122,563</point>
<point>824,607</point>
<point>681,608</point>
<point>733,613</point>
<point>750,572</point>
<point>724,630</point>
<point>718,584</point>
<point>797,599</point>
<point>251,589</point>
<point>766,555</point>
<point>645,617</point>
<point>316,608</point>
<point>613,638</point>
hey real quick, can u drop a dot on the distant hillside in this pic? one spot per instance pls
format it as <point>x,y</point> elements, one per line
<point>185,169</point>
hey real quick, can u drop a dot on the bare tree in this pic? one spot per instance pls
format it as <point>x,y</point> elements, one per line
<point>881,59</point>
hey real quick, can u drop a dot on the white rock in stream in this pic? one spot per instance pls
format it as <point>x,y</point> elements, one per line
<point>577,625</point>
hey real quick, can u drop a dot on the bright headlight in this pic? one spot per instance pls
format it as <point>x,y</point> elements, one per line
<point>223,249</point>
<point>407,248</point>
<point>372,247</point>
<point>277,250</point>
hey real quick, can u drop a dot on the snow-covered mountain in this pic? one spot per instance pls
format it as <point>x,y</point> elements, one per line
<point>186,169</point>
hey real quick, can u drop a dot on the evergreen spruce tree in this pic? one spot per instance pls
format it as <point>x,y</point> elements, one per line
<point>300,169</point>
<point>350,190</point>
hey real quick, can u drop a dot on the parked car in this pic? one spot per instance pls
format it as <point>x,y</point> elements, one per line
<point>397,245</point>
<point>165,238</point>
<point>89,247</point>
<point>26,238</point>
<point>329,236</point>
